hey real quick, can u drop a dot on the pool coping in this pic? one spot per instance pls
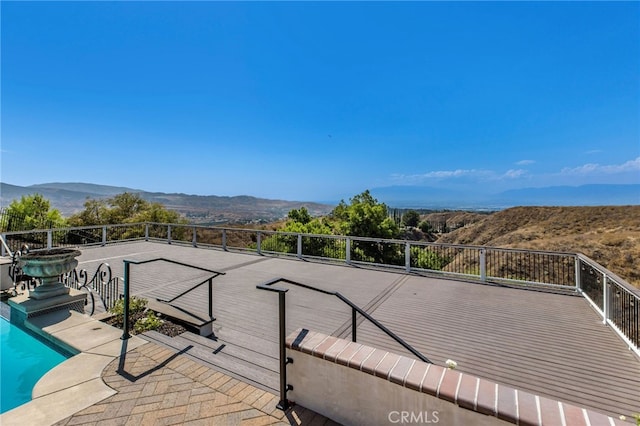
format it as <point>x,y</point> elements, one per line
<point>74,384</point>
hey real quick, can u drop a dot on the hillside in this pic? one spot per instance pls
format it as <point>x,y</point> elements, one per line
<point>69,198</point>
<point>609,235</point>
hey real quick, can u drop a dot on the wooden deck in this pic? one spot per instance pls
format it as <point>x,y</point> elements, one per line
<point>550,344</point>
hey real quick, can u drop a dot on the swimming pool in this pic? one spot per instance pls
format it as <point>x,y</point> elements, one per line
<point>24,359</point>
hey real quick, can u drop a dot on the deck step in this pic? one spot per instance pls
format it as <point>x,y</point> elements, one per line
<point>243,364</point>
<point>222,331</point>
<point>201,322</point>
<point>231,348</point>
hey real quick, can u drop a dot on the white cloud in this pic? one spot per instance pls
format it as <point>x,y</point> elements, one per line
<point>441,174</point>
<point>479,175</point>
<point>525,162</point>
<point>594,168</point>
<point>515,174</point>
<point>593,151</point>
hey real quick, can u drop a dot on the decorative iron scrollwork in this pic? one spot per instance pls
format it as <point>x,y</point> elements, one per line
<point>102,284</point>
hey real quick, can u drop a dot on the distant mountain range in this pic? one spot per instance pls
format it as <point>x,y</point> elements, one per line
<point>69,198</point>
<point>585,195</point>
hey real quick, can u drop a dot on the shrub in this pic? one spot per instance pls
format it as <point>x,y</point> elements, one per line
<point>150,322</point>
<point>136,304</point>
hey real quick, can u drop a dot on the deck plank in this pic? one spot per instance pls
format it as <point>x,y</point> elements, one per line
<point>549,344</point>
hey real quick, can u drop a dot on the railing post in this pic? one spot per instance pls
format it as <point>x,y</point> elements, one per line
<point>407,256</point>
<point>104,236</point>
<point>354,325</point>
<point>3,252</point>
<point>49,239</point>
<point>284,387</point>
<point>483,265</point>
<point>259,242</point>
<point>299,250</point>
<point>577,268</point>
<point>194,240</point>
<point>605,299</point>
<point>224,239</point>
<point>348,251</point>
<point>211,298</point>
<point>146,232</point>
<point>125,322</point>
<point>168,234</point>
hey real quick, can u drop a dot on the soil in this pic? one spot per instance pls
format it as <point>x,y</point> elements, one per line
<point>169,327</point>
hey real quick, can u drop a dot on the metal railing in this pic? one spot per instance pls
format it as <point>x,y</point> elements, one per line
<point>486,264</point>
<point>618,304</point>
<point>127,287</point>
<point>102,283</point>
<point>282,327</point>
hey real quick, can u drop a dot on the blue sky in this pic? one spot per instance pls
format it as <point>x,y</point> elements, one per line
<point>320,101</point>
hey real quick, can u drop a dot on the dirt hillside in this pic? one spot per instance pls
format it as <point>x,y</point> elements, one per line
<point>610,235</point>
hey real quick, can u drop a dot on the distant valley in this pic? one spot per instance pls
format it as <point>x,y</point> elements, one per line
<point>69,198</point>
<point>438,198</point>
<point>211,209</point>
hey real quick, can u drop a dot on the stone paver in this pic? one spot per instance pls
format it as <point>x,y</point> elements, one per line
<point>156,386</point>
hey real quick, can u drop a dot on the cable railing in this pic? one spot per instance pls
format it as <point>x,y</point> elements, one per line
<point>282,327</point>
<point>522,268</point>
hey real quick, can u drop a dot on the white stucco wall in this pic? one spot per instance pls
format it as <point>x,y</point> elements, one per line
<point>352,397</point>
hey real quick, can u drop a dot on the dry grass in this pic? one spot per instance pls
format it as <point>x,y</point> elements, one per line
<point>609,235</point>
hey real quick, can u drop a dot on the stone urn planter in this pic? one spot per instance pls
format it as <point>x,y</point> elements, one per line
<point>48,265</point>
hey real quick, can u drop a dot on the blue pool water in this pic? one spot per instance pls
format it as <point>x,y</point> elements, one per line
<point>23,361</point>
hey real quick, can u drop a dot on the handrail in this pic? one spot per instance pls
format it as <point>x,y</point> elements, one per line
<point>613,298</point>
<point>353,306</point>
<point>127,274</point>
<point>268,286</point>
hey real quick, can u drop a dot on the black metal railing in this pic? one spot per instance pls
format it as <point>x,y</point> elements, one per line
<point>527,266</point>
<point>618,304</point>
<point>127,288</point>
<point>102,283</point>
<point>282,327</point>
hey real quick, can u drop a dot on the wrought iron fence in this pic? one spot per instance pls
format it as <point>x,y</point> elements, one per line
<point>14,222</point>
<point>102,285</point>
<point>34,239</point>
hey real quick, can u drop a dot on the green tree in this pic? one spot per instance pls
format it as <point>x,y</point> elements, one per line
<point>96,212</point>
<point>425,227</point>
<point>299,221</point>
<point>156,212</point>
<point>125,207</point>
<point>300,216</point>
<point>34,212</point>
<point>366,217</point>
<point>411,218</point>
